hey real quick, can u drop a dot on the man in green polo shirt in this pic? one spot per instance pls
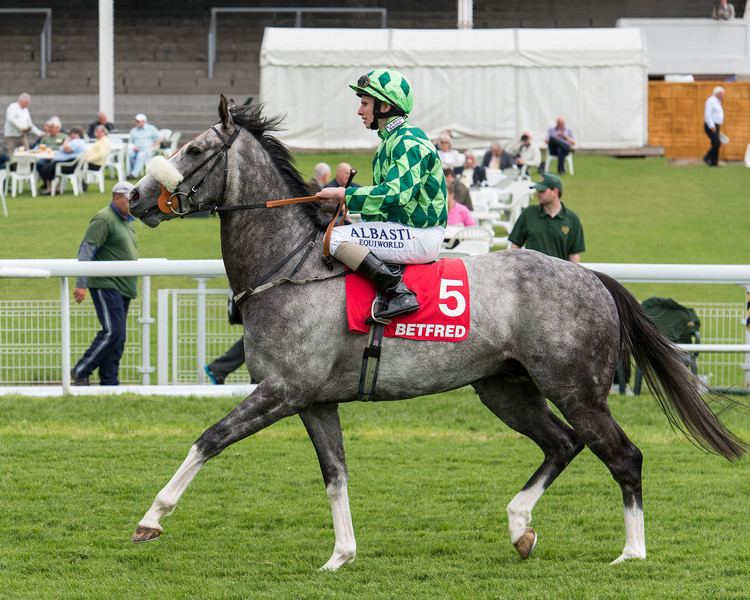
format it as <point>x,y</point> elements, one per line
<point>550,227</point>
<point>109,236</point>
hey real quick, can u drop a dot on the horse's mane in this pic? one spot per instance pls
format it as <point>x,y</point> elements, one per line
<point>251,117</point>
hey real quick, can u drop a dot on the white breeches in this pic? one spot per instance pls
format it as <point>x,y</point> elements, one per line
<point>392,242</point>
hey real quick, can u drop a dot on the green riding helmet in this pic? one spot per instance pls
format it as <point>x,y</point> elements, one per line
<point>387,85</point>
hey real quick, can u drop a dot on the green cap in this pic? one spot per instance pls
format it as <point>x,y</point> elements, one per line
<point>548,182</point>
<point>386,85</point>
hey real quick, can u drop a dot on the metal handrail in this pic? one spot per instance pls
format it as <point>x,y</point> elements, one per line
<point>45,37</point>
<point>297,10</point>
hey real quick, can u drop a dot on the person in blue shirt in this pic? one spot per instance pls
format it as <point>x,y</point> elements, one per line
<point>71,148</point>
<point>144,139</point>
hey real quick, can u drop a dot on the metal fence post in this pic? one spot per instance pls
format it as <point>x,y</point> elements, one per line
<point>65,333</point>
<point>746,366</point>
<point>146,369</point>
<point>201,330</point>
<point>162,337</point>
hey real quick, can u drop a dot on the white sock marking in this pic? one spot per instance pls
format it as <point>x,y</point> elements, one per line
<point>635,536</point>
<point>345,547</point>
<point>519,510</point>
<point>171,493</point>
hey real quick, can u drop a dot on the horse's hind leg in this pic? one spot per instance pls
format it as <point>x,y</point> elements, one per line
<point>624,460</point>
<point>266,405</point>
<point>522,407</point>
<point>323,427</point>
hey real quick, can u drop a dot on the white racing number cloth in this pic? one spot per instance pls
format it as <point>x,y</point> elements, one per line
<point>392,242</point>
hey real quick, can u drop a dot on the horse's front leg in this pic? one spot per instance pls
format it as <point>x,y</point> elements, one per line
<point>323,427</point>
<point>267,404</point>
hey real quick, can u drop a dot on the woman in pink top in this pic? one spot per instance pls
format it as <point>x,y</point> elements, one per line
<point>458,214</point>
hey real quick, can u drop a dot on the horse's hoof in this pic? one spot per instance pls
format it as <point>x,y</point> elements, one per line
<point>145,534</point>
<point>526,543</point>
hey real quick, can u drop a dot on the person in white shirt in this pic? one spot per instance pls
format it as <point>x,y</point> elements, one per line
<point>713,119</point>
<point>18,124</point>
<point>449,156</point>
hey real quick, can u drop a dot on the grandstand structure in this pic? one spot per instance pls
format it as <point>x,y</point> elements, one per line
<point>161,48</point>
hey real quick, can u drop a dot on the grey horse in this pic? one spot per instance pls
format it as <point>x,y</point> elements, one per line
<point>517,354</point>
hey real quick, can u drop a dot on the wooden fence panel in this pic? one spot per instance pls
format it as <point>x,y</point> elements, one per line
<point>675,118</point>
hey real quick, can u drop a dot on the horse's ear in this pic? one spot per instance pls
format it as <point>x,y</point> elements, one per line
<point>226,118</point>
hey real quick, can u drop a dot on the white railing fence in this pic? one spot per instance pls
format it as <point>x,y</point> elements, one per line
<point>40,340</point>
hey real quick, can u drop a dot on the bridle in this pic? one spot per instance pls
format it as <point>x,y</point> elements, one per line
<point>178,198</point>
<point>171,201</point>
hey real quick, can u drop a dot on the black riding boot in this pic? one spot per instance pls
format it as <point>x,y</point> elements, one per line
<point>398,298</point>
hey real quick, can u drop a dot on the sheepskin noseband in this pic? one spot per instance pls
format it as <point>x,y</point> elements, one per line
<point>164,172</point>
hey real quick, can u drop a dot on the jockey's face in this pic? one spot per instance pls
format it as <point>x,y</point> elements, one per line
<point>365,111</point>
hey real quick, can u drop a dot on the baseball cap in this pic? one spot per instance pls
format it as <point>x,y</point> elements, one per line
<point>548,182</point>
<point>140,117</point>
<point>123,187</point>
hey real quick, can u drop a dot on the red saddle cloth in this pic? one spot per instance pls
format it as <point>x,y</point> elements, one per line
<point>442,289</point>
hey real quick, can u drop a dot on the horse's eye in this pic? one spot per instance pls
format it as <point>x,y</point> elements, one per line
<point>193,151</point>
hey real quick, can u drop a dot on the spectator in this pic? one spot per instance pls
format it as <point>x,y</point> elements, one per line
<point>144,140</point>
<point>109,236</point>
<point>343,171</point>
<point>497,158</point>
<point>472,175</point>
<point>449,156</point>
<point>713,119</point>
<point>96,154</point>
<point>71,148</point>
<point>53,137</point>
<point>101,119</point>
<point>527,154</point>
<point>550,227</point>
<point>18,124</point>
<point>4,158</point>
<point>723,11</point>
<point>460,191</point>
<point>321,176</point>
<point>458,214</point>
<point>560,143</point>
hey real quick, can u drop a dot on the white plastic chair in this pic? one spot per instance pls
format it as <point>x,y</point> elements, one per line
<point>174,140</point>
<point>95,175</point>
<point>76,177</point>
<point>25,171</point>
<point>568,163</point>
<point>115,162</point>
<point>3,188</point>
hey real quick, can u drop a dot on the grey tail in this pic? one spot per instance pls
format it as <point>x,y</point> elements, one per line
<point>676,389</point>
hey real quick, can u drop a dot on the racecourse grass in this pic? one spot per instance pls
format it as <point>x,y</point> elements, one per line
<point>430,479</point>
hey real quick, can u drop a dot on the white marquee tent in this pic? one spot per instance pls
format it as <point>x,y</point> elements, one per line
<point>484,84</point>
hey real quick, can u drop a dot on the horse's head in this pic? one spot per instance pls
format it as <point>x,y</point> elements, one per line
<point>194,178</point>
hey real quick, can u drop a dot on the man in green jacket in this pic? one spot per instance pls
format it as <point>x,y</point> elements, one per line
<point>109,236</point>
<point>404,212</point>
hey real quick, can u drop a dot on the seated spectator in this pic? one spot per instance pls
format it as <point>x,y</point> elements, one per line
<point>460,191</point>
<point>458,214</point>
<point>526,153</point>
<point>560,143</point>
<point>71,148</point>
<point>472,175</point>
<point>342,176</point>
<point>144,140</point>
<point>497,158</point>
<point>328,208</point>
<point>449,156</point>
<point>723,11</point>
<point>96,155</point>
<point>101,119</point>
<point>321,176</point>
<point>53,137</point>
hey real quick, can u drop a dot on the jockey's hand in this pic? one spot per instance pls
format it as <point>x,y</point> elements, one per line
<point>79,295</point>
<point>332,193</point>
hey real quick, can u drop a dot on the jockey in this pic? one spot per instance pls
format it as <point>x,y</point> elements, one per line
<point>404,212</point>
